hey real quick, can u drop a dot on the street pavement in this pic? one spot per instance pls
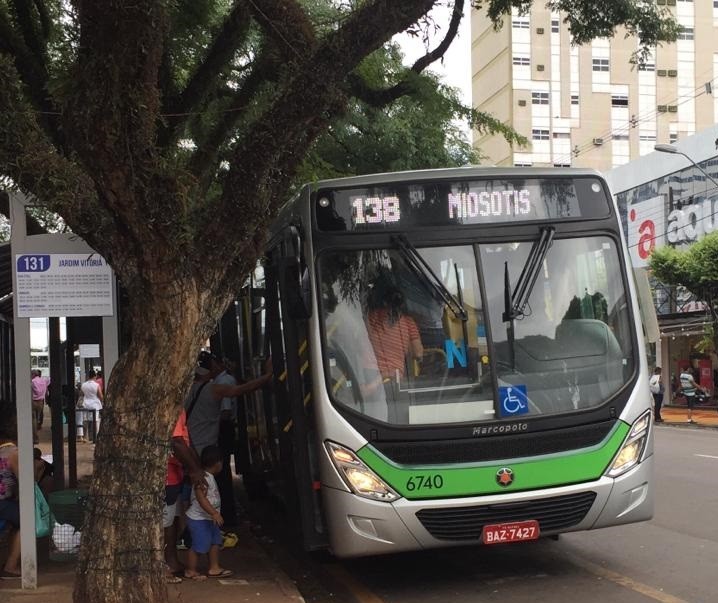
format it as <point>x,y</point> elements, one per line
<point>678,415</point>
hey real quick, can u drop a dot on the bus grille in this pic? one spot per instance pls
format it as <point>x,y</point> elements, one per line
<point>466,523</point>
<point>431,452</point>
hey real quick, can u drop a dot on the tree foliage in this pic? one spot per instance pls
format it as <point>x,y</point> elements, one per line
<point>696,269</point>
<point>167,133</point>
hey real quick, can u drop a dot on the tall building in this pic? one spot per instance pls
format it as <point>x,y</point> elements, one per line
<point>589,106</point>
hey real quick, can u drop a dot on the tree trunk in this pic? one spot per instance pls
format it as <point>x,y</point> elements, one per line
<point>122,546</point>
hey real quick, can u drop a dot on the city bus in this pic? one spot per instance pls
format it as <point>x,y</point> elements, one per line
<point>458,360</point>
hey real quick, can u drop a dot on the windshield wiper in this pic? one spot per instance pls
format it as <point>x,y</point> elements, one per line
<point>419,265</point>
<point>515,303</point>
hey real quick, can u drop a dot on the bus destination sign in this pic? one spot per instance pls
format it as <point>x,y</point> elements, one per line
<point>408,205</point>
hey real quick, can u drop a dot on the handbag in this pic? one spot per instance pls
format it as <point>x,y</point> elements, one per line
<point>42,514</point>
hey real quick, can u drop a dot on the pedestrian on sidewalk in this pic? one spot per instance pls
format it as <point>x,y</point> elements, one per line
<point>183,460</point>
<point>204,520</point>
<point>38,386</point>
<point>689,387</point>
<point>657,390</point>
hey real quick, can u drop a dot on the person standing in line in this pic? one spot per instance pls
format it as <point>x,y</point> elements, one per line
<point>9,506</point>
<point>203,404</point>
<point>689,388</point>
<point>204,520</point>
<point>38,386</point>
<point>657,390</point>
<point>182,461</point>
<point>92,396</point>
<point>227,443</point>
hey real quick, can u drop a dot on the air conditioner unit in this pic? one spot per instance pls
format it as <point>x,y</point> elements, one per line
<point>661,73</point>
<point>598,141</point>
<point>673,108</point>
<point>522,103</point>
<point>662,108</point>
<point>539,30</point>
<point>672,73</point>
<point>539,67</point>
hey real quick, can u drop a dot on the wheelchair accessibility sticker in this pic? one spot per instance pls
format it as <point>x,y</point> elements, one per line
<point>514,400</point>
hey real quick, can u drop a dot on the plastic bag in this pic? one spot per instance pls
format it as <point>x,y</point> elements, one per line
<point>42,514</point>
<point>65,538</point>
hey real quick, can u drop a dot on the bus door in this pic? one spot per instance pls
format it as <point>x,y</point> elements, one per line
<point>256,435</point>
<point>287,315</point>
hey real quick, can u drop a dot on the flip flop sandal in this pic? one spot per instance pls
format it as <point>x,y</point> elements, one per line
<point>172,579</point>
<point>196,577</point>
<point>4,575</point>
<point>225,573</point>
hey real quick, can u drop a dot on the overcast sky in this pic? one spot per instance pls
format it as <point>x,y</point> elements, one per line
<point>456,66</point>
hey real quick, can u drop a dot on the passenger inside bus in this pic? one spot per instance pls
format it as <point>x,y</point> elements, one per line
<point>393,334</point>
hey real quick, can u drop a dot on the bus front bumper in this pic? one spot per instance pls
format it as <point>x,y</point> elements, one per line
<point>361,527</point>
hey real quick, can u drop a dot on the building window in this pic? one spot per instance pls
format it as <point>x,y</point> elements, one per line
<point>672,137</point>
<point>555,24</point>
<point>600,65</point>
<point>649,66</point>
<point>520,23</point>
<point>522,164</point>
<point>518,60</point>
<point>685,33</point>
<point>562,135</point>
<point>539,134</point>
<point>574,97</point>
<point>539,98</point>
<point>620,137</point>
<point>561,165</point>
<point>648,137</point>
<point>619,100</point>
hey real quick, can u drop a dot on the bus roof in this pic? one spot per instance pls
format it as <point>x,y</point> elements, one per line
<point>451,173</point>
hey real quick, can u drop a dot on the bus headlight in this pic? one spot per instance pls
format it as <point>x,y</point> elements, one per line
<point>360,479</point>
<point>630,453</point>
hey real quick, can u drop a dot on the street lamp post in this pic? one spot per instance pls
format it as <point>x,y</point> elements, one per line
<point>669,148</point>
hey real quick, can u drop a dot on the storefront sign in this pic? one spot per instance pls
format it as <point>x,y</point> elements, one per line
<point>59,284</point>
<point>692,222</point>
<point>646,227</point>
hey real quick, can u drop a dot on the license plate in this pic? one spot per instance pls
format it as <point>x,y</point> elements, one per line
<point>510,532</point>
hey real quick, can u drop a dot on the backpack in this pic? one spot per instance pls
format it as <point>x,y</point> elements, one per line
<point>655,384</point>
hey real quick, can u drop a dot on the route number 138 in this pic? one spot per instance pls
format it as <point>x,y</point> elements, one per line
<point>375,210</point>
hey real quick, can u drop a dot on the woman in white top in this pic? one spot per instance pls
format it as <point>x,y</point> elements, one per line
<point>91,401</point>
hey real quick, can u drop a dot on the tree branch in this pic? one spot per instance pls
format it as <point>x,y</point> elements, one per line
<point>28,25</point>
<point>285,22</point>
<point>204,160</point>
<point>113,127</point>
<point>45,20</point>
<point>382,97</point>
<point>205,78</point>
<point>264,161</point>
<point>36,168</point>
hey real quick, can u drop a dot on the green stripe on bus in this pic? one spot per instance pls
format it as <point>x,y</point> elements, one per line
<point>547,471</point>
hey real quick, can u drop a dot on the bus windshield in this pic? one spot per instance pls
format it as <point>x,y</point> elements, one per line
<point>398,352</point>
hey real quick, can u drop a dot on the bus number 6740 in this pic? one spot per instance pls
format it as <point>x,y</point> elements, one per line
<point>424,482</point>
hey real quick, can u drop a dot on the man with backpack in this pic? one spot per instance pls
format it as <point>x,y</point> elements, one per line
<point>657,389</point>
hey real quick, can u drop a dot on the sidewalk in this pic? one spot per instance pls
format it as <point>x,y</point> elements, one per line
<point>256,577</point>
<point>678,415</point>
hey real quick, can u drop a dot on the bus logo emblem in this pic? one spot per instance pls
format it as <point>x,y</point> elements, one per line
<point>504,477</point>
